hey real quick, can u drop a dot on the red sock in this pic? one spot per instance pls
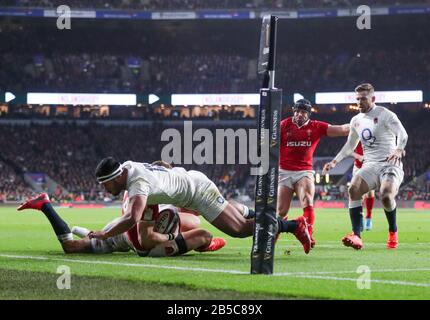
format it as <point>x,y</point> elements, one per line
<point>369,206</point>
<point>309,214</point>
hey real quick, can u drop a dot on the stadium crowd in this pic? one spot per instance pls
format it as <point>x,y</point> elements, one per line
<point>12,186</point>
<point>105,57</point>
<point>201,4</point>
<point>212,73</point>
<point>69,152</point>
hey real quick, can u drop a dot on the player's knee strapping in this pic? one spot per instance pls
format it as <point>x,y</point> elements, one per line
<point>391,207</point>
<point>101,246</point>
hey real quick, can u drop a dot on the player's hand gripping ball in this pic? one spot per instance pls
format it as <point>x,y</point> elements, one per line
<point>167,220</point>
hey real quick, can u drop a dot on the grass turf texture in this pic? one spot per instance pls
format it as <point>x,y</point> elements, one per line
<point>30,256</point>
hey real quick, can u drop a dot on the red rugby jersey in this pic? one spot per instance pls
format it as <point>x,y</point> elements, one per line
<point>298,144</point>
<point>358,150</point>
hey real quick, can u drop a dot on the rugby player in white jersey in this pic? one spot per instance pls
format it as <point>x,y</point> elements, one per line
<point>384,139</point>
<point>151,184</point>
<point>155,240</point>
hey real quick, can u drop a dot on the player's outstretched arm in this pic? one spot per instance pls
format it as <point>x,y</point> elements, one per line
<point>149,238</point>
<point>338,131</point>
<point>346,151</point>
<point>127,221</point>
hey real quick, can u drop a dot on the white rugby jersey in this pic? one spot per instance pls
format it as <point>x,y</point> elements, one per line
<point>380,132</point>
<point>161,185</point>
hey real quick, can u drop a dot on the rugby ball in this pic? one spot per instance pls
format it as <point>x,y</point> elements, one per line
<point>167,221</point>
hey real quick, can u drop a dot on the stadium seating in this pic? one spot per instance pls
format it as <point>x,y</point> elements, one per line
<point>12,187</point>
<point>201,4</point>
<point>69,152</point>
<point>213,73</point>
<point>89,61</point>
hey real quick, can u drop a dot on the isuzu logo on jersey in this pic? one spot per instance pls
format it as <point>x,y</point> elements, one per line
<point>299,143</point>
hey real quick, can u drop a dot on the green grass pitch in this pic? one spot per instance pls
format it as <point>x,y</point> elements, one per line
<point>30,256</point>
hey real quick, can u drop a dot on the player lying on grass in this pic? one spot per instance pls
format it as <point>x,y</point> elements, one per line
<point>157,232</point>
<point>383,139</point>
<point>149,184</point>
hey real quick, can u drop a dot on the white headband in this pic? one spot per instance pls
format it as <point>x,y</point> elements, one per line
<point>111,176</point>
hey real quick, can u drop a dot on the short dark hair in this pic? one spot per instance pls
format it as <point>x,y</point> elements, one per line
<point>107,166</point>
<point>365,87</point>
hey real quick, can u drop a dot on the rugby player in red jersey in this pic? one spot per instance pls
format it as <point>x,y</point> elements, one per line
<point>368,198</point>
<point>153,236</point>
<point>299,138</point>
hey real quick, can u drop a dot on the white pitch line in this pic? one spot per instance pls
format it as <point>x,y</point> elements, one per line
<point>347,272</point>
<point>393,282</point>
<point>365,243</point>
<point>141,265</point>
<point>310,275</point>
<point>328,246</point>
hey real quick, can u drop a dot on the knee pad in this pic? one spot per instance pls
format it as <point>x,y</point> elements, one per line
<point>392,207</point>
<point>355,204</point>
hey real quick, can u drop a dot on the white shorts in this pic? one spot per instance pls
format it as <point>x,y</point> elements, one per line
<point>375,172</point>
<point>289,178</point>
<point>207,199</point>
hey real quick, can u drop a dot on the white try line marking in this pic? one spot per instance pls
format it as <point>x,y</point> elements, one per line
<point>347,272</point>
<point>326,246</point>
<point>393,282</point>
<point>309,275</point>
<point>140,265</point>
<point>292,241</point>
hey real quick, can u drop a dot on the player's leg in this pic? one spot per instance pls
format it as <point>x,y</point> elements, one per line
<point>245,211</point>
<point>61,229</point>
<point>224,216</point>
<point>285,196</point>
<point>356,190</point>
<point>117,243</point>
<point>78,246</point>
<point>285,193</point>
<point>369,201</point>
<point>391,179</point>
<point>305,190</point>
<point>231,222</point>
<point>197,239</point>
<point>189,221</point>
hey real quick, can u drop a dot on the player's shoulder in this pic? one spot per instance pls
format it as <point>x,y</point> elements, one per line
<point>314,122</point>
<point>356,118</point>
<point>136,170</point>
<point>317,124</point>
<point>384,112</point>
<point>128,164</point>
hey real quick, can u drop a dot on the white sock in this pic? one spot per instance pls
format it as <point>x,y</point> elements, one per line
<point>65,237</point>
<point>80,231</point>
